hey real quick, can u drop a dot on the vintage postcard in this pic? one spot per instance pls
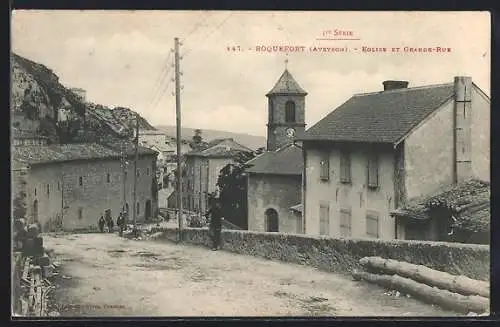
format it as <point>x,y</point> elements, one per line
<point>239,163</point>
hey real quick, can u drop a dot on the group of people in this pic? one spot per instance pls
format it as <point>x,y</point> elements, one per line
<point>107,221</point>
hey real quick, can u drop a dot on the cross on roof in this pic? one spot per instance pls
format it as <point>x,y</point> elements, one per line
<point>286,63</point>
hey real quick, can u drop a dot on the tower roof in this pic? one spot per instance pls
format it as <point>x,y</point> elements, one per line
<point>286,85</point>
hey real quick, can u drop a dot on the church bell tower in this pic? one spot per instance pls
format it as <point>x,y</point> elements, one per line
<point>286,107</point>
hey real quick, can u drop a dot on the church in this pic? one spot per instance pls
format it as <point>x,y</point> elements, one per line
<point>274,190</point>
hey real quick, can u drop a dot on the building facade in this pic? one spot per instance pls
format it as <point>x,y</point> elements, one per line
<point>70,186</point>
<point>80,93</point>
<point>274,186</point>
<point>378,150</point>
<point>202,169</point>
<point>149,138</point>
<point>275,177</point>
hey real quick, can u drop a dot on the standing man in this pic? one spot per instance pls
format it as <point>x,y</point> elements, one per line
<point>215,213</point>
<point>109,220</point>
<point>121,222</point>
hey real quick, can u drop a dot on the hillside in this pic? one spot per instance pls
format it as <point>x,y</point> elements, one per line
<point>251,141</point>
<point>38,98</point>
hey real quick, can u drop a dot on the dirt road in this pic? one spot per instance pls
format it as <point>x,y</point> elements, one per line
<point>103,274</point>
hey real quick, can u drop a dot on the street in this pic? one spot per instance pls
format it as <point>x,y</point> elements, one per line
<point>105,275</point>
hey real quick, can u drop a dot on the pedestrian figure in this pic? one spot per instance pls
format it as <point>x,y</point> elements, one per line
<point>101,222</point>
<point>215,214</point>
<point>120,222</point>
<point>109,221</point>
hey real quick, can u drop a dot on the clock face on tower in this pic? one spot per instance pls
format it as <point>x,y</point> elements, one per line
<point>290,132</point>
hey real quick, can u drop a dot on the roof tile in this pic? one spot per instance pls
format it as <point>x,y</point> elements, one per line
<point>287,85</point>
<point>68,152</point>
<point>380,117</point>
<point>284,161</point>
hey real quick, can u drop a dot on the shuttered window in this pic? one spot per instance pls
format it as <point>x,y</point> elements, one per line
<point>372,224</point>
<point>345,222</point>
<point>345,167</point>
<point>324,219</point>
<point>373,171</point>
<point>325,167</point>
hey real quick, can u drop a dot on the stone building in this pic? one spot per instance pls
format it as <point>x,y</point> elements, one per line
<point>80,93</point>
<point>22,137</point>
<point>275,177</point>
<point>70,186</point>
<point>202,168</point>
<point>149,138</point>
<point>378,150</point>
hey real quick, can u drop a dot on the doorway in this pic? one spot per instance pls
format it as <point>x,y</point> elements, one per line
<point>272,224</point>
<point>148,209</point>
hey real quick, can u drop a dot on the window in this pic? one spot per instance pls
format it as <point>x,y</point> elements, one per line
<point>138,172</point>
<point>372,224</point>
<point>35,191</point>
<point>138,208</point>
<point>108,177</point>
<point>325,167</point>
<point>80,213</point>
<point>271,111</point>
<point>48,190</point>
<point>80,180</point>
<point>345,167</point>
<point>58,185</point>
<point>373,167</point>
<point>147,171</point>
<point>324,219</point>
<point>290,112</point>
<point>345,222</point>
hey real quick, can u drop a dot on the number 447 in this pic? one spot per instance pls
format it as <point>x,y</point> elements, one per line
<point>234,48</point>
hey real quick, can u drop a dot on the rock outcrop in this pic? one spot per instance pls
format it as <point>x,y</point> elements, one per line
<point>39,101</point>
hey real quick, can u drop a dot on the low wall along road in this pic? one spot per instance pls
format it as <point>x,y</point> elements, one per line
<point>342,255</point>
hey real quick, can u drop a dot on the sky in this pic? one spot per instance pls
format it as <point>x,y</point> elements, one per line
<point>124,58</point>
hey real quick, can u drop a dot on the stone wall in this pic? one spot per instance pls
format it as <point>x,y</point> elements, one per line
<point>342,255</point>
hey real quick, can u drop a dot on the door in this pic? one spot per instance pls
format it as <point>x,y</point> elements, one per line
<point>148,210</point>
<point>272,223</point>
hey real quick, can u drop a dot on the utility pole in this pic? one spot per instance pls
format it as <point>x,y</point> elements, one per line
<point>136,154</point>
<point>178,125</point>
<point>201,193</point>
<point>124,173</point>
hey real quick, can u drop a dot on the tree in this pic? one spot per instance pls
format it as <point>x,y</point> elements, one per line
<point>232,184</point>
<point>19,206</point>
<point>197,140</point>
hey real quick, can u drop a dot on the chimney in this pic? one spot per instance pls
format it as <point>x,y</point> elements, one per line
<point>462,129</point>
<point>394,85</point>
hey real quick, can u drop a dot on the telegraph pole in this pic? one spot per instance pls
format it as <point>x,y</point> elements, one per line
<point>124,173</point>
<point>136,154</point>
<point>178,125</point>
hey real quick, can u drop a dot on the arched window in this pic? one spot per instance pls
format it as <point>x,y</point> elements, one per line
<point>290,112</point>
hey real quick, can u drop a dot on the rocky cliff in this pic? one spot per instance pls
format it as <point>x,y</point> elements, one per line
<point>39,101</point>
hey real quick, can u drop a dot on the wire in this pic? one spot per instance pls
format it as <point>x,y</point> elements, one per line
<point>156,99</point>
<point>198,24</point>
<point>162,93</point>
<point>212,31</point>
<point>159,80</point>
